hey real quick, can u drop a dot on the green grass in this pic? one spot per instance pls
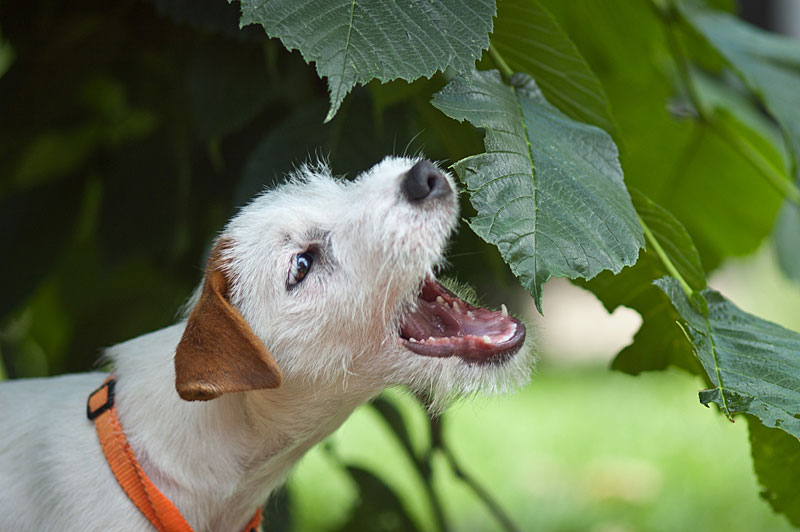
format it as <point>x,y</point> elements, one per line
<point>576,450</point>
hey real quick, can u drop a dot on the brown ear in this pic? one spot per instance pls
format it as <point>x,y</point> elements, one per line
<point>218,352</point>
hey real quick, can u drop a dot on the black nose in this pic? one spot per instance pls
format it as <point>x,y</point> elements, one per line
<point>424,182</point>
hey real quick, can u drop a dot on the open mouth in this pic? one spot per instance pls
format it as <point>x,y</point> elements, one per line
<point>442,325</point>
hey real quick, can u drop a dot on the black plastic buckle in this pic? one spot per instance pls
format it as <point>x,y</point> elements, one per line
<point>92,414</point>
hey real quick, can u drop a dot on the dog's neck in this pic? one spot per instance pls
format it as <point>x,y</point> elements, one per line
<point>218,460</point>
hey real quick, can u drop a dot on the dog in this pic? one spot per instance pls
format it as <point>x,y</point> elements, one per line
<point>316,296</point>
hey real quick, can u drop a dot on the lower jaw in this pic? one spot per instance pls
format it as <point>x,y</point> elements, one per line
<point>498,358</point>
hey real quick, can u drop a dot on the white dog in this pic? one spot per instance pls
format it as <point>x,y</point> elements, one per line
<point>317,295</point>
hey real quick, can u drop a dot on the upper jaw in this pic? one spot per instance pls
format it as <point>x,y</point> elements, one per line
<point>442,325</point>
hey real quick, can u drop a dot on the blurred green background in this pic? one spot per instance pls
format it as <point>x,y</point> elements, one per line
<point>129,133</point>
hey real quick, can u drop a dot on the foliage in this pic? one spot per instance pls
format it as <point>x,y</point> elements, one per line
<point>121,155</point>
<point>548,190</point>
<point>355,42</point>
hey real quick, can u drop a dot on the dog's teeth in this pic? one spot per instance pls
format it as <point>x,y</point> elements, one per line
<point>456,307</point>
<point>470,314</point>
<point>440,300</point>
<point>412,340</point>
<point>504,310</point>
<point>431,338</point>
<point>487,339</point>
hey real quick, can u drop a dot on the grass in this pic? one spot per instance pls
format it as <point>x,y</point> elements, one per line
<point>577,450</point>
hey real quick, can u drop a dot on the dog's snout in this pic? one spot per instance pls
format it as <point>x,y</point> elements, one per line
<point>424,182</point>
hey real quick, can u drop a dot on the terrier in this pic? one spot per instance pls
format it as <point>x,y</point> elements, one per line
<point>317,295</point>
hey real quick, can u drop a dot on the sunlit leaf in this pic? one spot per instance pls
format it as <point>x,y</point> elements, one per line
<point>531,41</point>
<point>684,166</point>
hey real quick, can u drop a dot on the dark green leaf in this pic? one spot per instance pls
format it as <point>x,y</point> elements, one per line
<point>287,145</point>
<point>302,138</point>
<point>753,364</point>
<point>548,191</point>
<point>227,86</point>
<point>672,238</point>
<point>379,509</point>
<point>659,342</point>
<point>35,224</point>
<point>394,418</point>
<point>277,514</point>
<point>357,41</point>
<point>209,15</point>
<point>531,41</point>
<point>776,461</point>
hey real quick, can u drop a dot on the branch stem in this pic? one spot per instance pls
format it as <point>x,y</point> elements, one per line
<point>665,260</point>
<point>479,491</point>
<point>763,166</point>
<point>500,63</point>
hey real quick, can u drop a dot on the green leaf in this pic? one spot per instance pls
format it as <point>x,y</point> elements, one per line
<point>277,515</point>
<point>209,15</point>
<point>354,41</point>
<point>753,364</point>
<point>659,342</point>
<point>379,508</point>
<point>531,41</point>
<point>728,100</point>
<point>548,191</point>
<point>768,63</point>
<point>26,226</point>
<point>394,418</point>
<point>688,169</point>
<point>726,205</point>
<point>672,239</point>
<point>776,461</point>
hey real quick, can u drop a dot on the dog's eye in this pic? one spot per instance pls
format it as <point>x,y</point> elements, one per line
<point>300,266</point>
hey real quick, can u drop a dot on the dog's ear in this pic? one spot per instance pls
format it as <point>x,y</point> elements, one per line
<point>218,352</point>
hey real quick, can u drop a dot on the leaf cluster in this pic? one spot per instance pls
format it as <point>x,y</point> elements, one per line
<point>628,146</point>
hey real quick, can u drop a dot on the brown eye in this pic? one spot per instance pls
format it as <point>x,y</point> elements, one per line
<point>300,267</point>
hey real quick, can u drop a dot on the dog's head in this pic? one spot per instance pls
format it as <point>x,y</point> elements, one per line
<point>323,279</point>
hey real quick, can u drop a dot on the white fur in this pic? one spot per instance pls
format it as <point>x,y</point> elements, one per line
<point>334,336</point>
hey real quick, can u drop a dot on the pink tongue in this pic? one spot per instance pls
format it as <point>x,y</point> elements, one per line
<point>433,319</point>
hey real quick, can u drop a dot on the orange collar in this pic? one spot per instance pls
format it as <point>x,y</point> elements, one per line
<point>159,510</point>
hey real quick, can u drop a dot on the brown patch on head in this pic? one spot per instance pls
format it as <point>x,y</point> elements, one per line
<point>218,352</point>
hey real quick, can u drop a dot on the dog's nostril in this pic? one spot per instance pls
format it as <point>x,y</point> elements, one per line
<point>432,179</point>
<point>423,181</point>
